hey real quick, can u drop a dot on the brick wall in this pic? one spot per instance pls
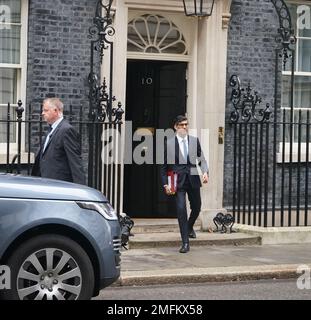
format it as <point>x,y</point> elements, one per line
<point>59,50</point>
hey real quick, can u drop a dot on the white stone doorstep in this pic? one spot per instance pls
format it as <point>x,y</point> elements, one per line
<point>277,235</point>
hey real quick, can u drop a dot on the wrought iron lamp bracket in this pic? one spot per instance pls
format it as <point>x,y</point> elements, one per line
<point>286,37</point>
<point>245,102</point>
<point>100,97</point>
<point>102,30</point>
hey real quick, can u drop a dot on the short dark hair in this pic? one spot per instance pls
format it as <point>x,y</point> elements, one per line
<point>179,119</point>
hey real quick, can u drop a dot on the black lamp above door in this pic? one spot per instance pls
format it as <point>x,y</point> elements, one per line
<point>198,8</point>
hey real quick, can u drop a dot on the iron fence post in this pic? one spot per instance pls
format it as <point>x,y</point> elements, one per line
<point>19,110</point>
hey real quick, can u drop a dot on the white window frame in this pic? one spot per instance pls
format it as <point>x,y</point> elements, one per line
<point>21,81</point>
<point>295,145</point>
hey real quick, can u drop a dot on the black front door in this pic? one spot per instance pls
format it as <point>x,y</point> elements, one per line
<point>156,94</point>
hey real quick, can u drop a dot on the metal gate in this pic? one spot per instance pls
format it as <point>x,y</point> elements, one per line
<point>101,109</point>
<point>270,154</point>
<point>22,136</point>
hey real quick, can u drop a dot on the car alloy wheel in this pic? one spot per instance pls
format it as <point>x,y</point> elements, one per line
<point>50,267</point>
<point>50,274</point>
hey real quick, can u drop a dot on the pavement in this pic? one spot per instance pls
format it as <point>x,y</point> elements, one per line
<point>153,258</point>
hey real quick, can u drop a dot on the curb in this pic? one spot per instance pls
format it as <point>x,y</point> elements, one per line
<point>200,275</point>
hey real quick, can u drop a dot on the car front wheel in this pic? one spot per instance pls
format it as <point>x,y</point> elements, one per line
<point>50,267</point>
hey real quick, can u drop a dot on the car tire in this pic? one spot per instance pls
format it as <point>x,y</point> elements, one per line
<point>50,267</point>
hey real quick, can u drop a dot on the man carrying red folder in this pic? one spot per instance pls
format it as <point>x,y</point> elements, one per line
<point>180,176</point>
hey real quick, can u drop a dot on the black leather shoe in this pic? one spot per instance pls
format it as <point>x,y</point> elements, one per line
<point>192,234</point>
<point>184,248</point>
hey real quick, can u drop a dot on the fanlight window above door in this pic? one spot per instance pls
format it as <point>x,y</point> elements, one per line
<point>155,34</point>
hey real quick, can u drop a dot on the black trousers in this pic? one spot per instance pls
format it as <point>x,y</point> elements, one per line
<point>194,196</point>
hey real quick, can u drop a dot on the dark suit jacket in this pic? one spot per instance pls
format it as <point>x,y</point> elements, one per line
<point>61,158</point>
<point>174,161</point>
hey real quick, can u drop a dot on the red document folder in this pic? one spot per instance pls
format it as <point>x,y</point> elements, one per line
<point>172,181</point>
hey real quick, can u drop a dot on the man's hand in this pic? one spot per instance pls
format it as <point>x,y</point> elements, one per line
<point>205,177</point>
<point>167,189</point>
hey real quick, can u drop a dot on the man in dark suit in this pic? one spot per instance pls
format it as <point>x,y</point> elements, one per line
<point>60,154</point>
<point>181,154</point>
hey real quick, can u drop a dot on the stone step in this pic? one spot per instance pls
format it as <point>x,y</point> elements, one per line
<point>158,226</point>
<point>172,239</point>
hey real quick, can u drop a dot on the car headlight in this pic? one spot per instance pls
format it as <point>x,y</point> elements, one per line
<point>104,208</point>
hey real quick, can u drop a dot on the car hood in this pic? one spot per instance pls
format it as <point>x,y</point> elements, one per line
<point>17,186</point>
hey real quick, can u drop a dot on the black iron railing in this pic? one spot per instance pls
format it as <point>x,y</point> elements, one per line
<point>271,179</point>
<point>270,153</point>
<point>21,137</point>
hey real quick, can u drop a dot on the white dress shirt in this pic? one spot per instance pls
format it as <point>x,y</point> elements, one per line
<point>181,145</point>
<point>54,125</point>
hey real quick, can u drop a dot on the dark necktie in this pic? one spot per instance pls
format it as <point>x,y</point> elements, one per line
<point>47,138</point>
